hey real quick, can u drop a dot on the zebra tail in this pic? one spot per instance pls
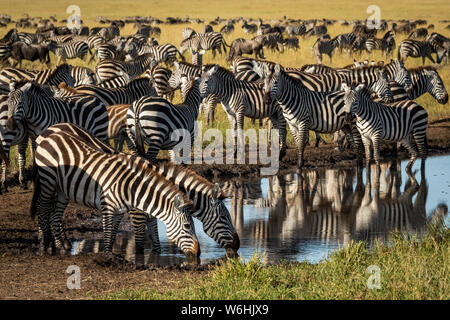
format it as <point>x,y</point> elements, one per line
<point>36,192</point>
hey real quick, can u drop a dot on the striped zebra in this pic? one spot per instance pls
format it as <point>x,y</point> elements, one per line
<point>324,46</point>
<point>304,109</point>
<point>106,51</point>
<point>53,77</point>
<point>345,41</point>
<point>207,198</point>
<point>375,78</point>
<point>204,41</point>
<point>28,103</point>
<point>424,49</point>
<point>156,121</point>
<point>159,77</point>
<point>108,69</point>
<point>8,139</point>
<point>239,99</point>
<point>423,80</point>
<point>115,82</point>
<point>404,122</point>
<point>188,33</point>
<point>128,183</point>
<point>117,124</point>
<point>82,75</point>
<point>69,50</point>
<point>166,53</point>
<point>123,95</point>
<point>395,71</point>
<point>385,44</point>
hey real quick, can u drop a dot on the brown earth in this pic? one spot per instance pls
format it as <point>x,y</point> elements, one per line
<point>26,275</point>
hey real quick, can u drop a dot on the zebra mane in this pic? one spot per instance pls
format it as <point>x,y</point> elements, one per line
<point>422,68</point>
<point>179,170</point>
<point>144,169</point>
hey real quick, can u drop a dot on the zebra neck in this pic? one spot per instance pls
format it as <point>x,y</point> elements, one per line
<point>419,85</point>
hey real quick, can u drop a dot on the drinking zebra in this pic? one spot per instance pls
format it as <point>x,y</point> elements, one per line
<point>404,122</point>
<point>128,182</point>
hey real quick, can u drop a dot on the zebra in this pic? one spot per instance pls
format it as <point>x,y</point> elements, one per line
<point>423,80</point>
<point>115,82</point>
<point>82,75</point>
<point>7,140</point>
<point>108,69</point>
<point>155,120</point>
<point>188,33</point>
<point>159,77</point>
<point>324,46</point>
<point>207,198</point>
<point>304,109</point>
<point>197,57</point>
<point>64,159</point>
<point>386,44</point>
<point>241,98</point>
<point>117,124</point>
<point>424,49</point>
<point>345,41</point>
<point>166,53</point>
<point>54,77</point>
<point>123,95</point>
<point>249,27</point>
<point>404,122</point>
<point>296,30</point>
<point>106,51</point>
<point>30,104</point>
<point>204,41</point>
<point>70,50</point>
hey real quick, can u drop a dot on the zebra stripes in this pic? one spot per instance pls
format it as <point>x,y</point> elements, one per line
<point>204,41</point>
<point>304,109</point>
<point>424,49</point>
<point>108,69</point>
<point>157,120</point>
<point>70,50</point>
<point>64,159</point>
<point>241,98</point>
<point>404,122</point>
<point>159,77</point>
<point>110,96</point>
<point>385,44</point>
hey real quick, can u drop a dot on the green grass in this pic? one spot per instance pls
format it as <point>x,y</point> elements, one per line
<point>409,269</point>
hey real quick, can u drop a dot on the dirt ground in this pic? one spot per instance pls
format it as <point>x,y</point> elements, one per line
<point>26,275</point>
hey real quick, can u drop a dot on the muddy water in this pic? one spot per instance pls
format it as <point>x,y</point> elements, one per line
<point>296,219</point>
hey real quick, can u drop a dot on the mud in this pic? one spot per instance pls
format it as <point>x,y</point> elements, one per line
<point>26,275</point>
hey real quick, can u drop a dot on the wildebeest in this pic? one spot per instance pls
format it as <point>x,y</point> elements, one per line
<point>32,52</point>
<point>242,46</point>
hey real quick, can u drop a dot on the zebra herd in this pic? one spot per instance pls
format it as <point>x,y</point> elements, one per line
<point>71,113</point>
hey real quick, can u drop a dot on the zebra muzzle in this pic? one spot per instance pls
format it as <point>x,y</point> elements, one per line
<point>11,124</point>
<point>232,249</point>
<point>193,256</point>
<point>3,155</point>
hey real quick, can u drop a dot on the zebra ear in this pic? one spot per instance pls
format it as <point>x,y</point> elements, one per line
<point>215,192</point>
<point>12,86</point>
<point>359,87</point>
<point>277,68</point>
<point>345,87</point>
<point>178,202</point>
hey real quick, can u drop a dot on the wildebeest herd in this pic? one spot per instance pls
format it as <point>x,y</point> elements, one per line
<point>71,113</point>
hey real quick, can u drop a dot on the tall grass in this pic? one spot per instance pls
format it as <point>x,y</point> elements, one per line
<point>410,268</point>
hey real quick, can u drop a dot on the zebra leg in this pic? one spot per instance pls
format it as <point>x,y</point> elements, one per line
<point>376,152</point>
<point>45,208</point>
<point>301,139</point>
<point>22,151</point>
<point>279,122</point>
<point>56,222</point>
<point>367,150</point>
<point>152,230</point>
<point>3,181</point>
<point>240,132</point>
<point>421,143</point>
<point>411,147</point>
<point>138,221</point>
<point>108,222</point>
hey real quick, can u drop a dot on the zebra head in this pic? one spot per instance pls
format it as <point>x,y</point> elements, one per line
<point>182,231</point>
<point>17,103</point>
<point>351,97</point>
<point>435,86</point>
<point>381,86</point>
<point>209,81</point>
<point>401,75</point>
<point>217,223</point>
<point>272,84</point>
<point>187,87</point>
